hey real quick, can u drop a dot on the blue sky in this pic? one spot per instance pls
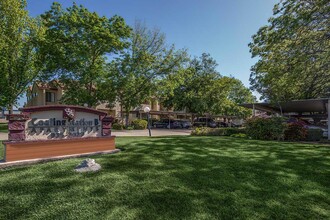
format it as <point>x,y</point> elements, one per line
<point>222,28</point>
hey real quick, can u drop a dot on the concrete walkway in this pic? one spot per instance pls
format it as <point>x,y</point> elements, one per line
<point>136,133</point>
<point>3,136</point>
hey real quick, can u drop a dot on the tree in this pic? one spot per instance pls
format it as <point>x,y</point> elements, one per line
<point>193,88</point>
<point>19,35</point>
<point>200,89</point>
<point>293,51</point>
<point>132,76</point>
<point>235,94</point>
<point>77,44</point>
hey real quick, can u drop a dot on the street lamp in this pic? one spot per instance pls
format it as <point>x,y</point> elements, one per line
<point>147,110</point>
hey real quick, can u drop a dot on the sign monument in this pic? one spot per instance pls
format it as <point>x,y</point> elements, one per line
<point>59,130</point>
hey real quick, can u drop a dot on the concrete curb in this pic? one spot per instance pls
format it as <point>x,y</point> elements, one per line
<point>44,160</point>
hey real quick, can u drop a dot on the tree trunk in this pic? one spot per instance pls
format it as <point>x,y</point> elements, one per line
<point>10,109</point>
<point>126,118</point>
<point>121,114</point>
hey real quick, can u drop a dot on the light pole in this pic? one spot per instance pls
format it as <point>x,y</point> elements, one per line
<point>147,110</point>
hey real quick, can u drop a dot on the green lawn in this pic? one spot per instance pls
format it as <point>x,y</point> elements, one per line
<point>177,178</point>
<point>3,127</point>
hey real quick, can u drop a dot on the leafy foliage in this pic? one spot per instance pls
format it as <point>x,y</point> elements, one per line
<point>19,37</point>
<point>293,51</point>
<point>314,134</point>
<point>139,124</point>
<point>295,132</point>
<point>77,43</point>
<point>200,89</point>
<point>206,131</point>
<point>265,128</point>
<point>132,75</point>
<point>117,126</point>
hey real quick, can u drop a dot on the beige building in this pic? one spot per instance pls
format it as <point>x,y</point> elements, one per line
<point>41,93</point>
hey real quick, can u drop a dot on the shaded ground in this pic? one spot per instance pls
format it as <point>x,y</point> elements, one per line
<point>177,178</point>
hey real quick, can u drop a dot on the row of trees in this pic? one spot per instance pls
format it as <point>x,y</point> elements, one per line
<point>102,59</point>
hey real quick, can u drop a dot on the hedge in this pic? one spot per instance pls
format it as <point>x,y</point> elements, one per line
<point>117,126</point>
<point>266,128</point>
<point>206,131</point>
<point>139,124</point>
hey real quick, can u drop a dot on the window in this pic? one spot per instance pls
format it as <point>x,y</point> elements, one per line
<point>50,97</point>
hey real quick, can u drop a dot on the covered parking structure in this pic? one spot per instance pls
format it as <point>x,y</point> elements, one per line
<point>317,109</point>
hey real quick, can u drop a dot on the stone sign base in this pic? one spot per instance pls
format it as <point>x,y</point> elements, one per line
<point>25,150</point>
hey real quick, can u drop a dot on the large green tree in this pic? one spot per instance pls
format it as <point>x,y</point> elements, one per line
<point>199,89</point>
<point>193,87</point>
<point>132,76</point>
<point>77,45</point>
<point>293,51</point>
<point>19,35</point>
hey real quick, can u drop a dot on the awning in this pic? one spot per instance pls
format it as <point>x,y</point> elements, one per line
<point>296,106</point>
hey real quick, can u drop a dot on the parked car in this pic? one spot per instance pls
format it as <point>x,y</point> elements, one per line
<point>204,122</point>
<point>221,124</point>
<point>167,123</point>
<point>185,123</point>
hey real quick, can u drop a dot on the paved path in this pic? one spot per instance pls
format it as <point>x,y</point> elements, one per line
<point>135,133</point>
<point>3,136</point>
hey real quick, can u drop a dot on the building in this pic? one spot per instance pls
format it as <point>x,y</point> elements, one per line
<point>41,93</point>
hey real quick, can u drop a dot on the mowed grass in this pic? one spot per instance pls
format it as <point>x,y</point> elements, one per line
<point>177,178</point>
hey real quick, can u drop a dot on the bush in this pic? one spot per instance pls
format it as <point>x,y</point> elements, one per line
<point>139,124</point>
<point>205,131</point>
<point>295,132</point>
<point>266,128</point>
<point>130,128</point>
<point>239,135</point>
<point>117,126</point>
<point>314,134</point>
<point>231,131</point>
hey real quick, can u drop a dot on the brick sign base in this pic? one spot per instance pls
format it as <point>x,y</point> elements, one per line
<point>51,131</point>
<point>15,151</point>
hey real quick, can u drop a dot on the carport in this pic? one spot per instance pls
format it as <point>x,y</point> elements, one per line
<point>318,109</point>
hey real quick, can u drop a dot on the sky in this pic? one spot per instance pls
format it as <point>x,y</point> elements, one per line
<point>222,28</point>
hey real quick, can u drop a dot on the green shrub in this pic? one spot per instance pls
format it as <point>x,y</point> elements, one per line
<point>130,128</point>
<point>117,126</point>
<point>231,131</point>
<point>139,124</point>
<point>266,128</point>
<point>295,132</point>
<point>314,134</point>
<point>206,131</point>
<point>239,135</point>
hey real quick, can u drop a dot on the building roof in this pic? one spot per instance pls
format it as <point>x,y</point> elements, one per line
<point>295,106</point>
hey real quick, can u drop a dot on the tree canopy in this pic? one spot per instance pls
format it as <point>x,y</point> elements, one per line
<point>200,89</point>
<point>293,51</point>
<point>19,37</point>
<point>76,48</point>
<point>132,76</point>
